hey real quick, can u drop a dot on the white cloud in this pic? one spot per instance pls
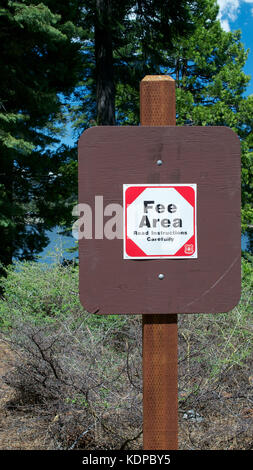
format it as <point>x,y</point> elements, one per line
<point>229,11</point>
<point>225,25</point>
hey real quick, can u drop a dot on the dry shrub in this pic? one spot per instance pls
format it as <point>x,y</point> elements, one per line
<point>82,373</point>
<point>216,379</point>
<point>88,383</point>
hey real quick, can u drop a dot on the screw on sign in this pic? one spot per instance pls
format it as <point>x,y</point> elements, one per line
<point>176,192</point>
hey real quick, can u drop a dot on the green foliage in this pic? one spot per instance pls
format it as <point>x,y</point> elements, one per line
<point>50,72</point>
<point>40,65</point>
<point>37,293</point>
<point>39,60</point>
<point>211,88</point>
<point>219,343</point>
<point>142,35</point>
<point>206,62</point>
<point>77,362</point>
<point>247,278</point>
<point>40,293</point>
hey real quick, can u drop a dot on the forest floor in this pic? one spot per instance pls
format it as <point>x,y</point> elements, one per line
<point>20,428</point>
<point>224,423</point>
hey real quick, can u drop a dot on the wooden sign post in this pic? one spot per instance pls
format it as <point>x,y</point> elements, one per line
<point>173,242</point>
<point>159,332</point>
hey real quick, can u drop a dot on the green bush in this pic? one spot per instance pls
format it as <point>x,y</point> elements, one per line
<point>44,293</point>
<point>38,292</point>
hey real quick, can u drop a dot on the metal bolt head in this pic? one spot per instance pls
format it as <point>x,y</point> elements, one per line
<point>159,162</point>
<point>161,276</point>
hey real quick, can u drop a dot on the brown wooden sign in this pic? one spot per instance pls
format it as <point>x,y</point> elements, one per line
<point>206,159</point>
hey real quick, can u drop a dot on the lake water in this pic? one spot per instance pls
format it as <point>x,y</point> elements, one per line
<point>59,244</point>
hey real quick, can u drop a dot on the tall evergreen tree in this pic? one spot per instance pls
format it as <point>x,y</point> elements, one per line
<point>211,91</point>
<point>207,65</point>
<point>126,41</point>
<point>40,63</point>
<point>99,50</point>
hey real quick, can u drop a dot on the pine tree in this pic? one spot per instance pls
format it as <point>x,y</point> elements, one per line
<point>127,40</point>
<point>211,91</point>
<point>88,57</point>
<point>206,62</point>
<point>40,63</point>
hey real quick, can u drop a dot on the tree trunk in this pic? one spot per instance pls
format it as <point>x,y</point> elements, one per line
<point>184,71</point>
<point>6,194</point>
<point>104,64</point>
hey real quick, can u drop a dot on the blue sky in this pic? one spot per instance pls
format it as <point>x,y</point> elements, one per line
<point>238,14</point>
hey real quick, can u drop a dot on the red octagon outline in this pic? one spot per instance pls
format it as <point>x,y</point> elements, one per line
<point>131,193</point>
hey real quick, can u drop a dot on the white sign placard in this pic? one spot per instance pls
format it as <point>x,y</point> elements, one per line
<point>160,221</point>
